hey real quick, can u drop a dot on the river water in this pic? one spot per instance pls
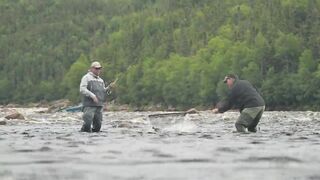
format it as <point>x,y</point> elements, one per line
<point>134,146</point>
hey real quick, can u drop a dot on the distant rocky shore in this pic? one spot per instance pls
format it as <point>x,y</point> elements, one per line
<point>61,104</point>
<point>58,105</point>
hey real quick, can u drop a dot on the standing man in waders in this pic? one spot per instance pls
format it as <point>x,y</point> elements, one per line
<point>245,97</point>
<point>94,93</point>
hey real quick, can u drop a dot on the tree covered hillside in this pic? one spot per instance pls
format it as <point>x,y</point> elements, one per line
<point>164,52</point>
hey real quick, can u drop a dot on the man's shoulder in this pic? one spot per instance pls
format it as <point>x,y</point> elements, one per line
<point>87,75</point>
<point>243,82</point>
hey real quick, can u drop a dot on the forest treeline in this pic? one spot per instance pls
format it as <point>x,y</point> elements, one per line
<point>172,53</point>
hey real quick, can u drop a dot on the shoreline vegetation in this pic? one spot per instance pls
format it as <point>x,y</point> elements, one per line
<point>172,53</point>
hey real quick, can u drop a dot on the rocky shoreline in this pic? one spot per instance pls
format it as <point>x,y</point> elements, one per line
<point>61,104</point>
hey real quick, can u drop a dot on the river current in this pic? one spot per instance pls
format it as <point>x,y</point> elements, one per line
<point>134,146</point>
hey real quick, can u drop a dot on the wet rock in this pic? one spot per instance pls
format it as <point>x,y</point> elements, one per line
<point>58,105</point>
<point>156,129</point>
<point>6,110</point>
<point>192,111</point>
<point>3,122</point>
<point>206,136</point>
<point>15,115</point>
<point>256,142</point>
<point>116,107</point>
<point>288,133</point>
<point>45,149</point>
<point>13,105</point>
<point>39,104</point>
<point>171,108</point>
<point>124,125</point>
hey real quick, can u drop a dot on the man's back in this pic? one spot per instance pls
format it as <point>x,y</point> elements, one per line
<point>244,95</point>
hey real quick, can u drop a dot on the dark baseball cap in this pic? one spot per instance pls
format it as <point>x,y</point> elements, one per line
<point>229,76</point>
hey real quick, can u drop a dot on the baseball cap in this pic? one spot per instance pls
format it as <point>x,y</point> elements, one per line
<point>96,64</point>
<point>229,76</point>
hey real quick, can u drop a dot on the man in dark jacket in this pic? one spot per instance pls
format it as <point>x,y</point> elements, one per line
<point>94,92</point>
<point>244,96</point>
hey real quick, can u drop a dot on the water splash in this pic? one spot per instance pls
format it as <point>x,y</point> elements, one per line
<point>175,123</point>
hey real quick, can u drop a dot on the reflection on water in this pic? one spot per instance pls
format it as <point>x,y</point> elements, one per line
<point>134,145</point>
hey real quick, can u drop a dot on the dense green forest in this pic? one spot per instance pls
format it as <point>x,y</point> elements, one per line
<point>172,53</point>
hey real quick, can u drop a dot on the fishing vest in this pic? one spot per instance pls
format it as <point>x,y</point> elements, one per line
<point>96,86</point>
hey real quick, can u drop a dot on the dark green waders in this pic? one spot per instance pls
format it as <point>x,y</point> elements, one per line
<point>249,119</point>
<point>92,116</point>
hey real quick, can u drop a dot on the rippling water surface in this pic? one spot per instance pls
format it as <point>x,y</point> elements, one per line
<point>134,146</point>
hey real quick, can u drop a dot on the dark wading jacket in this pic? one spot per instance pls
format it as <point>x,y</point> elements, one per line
<point>90,86</point>
<point>242,95</point>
